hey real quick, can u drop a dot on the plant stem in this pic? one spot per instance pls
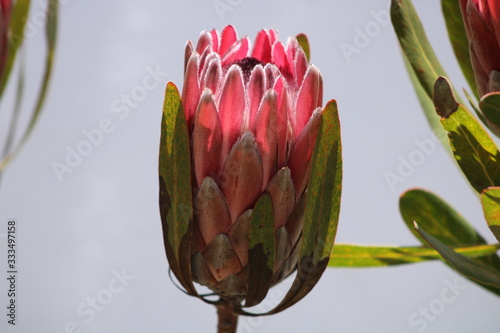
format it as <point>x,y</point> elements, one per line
<point>228,320</point>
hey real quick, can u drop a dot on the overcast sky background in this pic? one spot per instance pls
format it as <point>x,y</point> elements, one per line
<point>76,232</point>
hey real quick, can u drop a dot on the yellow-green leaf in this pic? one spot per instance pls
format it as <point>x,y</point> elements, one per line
<point>475,151</point>
<point>304,44</point>
<point>490,199</point>
<point>175,187</point>
<point>347,255</point>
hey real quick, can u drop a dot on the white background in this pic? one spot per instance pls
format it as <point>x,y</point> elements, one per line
<point>103,216</point>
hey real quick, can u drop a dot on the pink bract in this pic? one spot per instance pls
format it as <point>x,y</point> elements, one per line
<point>482,23</point>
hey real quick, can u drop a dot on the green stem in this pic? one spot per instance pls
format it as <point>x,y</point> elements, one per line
<point>228,320</point>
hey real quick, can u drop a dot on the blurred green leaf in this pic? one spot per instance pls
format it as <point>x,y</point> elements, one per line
<point>15,113</point>
<point>490,199</point>
<point>347,255</point>
<point>51,34</point>
<point>458,38</point>
<point>174,167</point>
<point>261,249</point>
<point>322,209</point>
<point>475,152</point>
<point>17,23</point>
<point>304,44</point>
<point>472,269</point>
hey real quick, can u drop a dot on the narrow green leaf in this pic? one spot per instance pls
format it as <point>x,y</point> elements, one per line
<point>415,45</point>
<point>428,106</point>
<point>474,270</point>
<point>421,63</point>
<point>458,38</point>
<point>17,22</point>
<point>175,187</point>
<point>322,209</point>
<point>16,112</point>
<point>490,199</point>
<point>475,152</point>
<point>261,251</point>
<point>51,34</point>
<point>346,255</point>
<point>304,44</point>
<point>13,124</point>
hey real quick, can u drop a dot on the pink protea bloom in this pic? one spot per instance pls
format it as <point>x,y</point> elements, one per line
<point>253,114</point>
<point>482,23</point>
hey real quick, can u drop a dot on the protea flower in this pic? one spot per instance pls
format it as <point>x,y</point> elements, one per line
<point>482,23</point>
<point>251,121</point>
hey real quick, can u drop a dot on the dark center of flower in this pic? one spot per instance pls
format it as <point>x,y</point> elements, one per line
<point>247,64</point>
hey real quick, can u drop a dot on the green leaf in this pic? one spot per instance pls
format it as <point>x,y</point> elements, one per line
<point>51,34</point>
<point>322,209</point>
<point>420,61</point>
<point>324,189</point>
<point>304,44</point>
<point>490,199</point>
<point>458,38</point>
<point>415,45</point>
<point>475,152</point>
<point>176,209</point>
<point>490,106</point>
<point>428,106</point>
<point>17,23</point>
<point>347,255</point>
<point>16,112</point>
<point>441,220</point>
<point>474,270</point>
<point>261,250</point>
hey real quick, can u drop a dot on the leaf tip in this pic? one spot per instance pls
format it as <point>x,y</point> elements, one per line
<point>443,98</point>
